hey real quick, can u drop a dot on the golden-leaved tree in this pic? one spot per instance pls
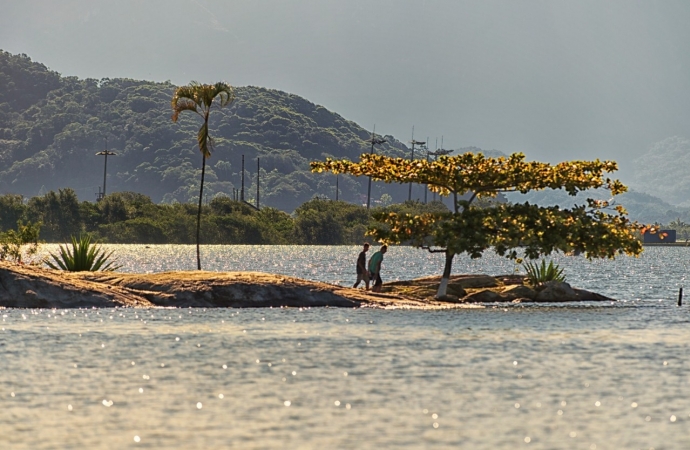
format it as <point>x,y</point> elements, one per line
<point>598,229</point>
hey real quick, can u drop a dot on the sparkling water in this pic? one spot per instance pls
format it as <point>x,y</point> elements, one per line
<point>582,376</point>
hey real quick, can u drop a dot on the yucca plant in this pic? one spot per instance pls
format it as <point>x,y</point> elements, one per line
<point>540,274</point>
<point>83,256</point>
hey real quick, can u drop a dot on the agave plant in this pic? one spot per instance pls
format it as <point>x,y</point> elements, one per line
<point>540,274</point>
<point>83,256</point>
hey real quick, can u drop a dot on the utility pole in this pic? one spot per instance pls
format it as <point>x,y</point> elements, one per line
<point>439,152</point>
<point>426,185</point>
<point>242,191</point>
<point>105,153</point>
<point>374,141</point>
<point>433,199</point>
<point>258,175</point>
<point>413,142</point>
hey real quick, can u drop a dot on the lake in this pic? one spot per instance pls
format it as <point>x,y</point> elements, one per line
<point>581,376</point>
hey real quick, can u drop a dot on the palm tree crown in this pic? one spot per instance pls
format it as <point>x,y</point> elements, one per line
<point>199,98</point>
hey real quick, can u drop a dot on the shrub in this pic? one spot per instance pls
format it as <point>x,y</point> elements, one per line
<point>540,274</point>
<point>83,256</point>
<point>16,244</point>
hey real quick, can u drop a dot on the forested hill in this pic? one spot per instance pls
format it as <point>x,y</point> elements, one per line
<point>51,127</point>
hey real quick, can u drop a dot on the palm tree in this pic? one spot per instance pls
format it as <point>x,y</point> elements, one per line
<point>200,98</point>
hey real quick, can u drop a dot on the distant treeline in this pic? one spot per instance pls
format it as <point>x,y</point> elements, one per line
<point>132,218</point>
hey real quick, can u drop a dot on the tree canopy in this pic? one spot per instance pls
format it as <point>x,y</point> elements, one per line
<point>598,229</point>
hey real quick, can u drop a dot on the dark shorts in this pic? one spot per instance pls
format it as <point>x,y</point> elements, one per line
<point>376,278</point>
<point>362,276</point>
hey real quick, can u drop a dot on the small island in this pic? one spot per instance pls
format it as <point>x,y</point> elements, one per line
<point>26,286</point>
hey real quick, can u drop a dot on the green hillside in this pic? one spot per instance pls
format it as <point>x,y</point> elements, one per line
<point>51,127</point>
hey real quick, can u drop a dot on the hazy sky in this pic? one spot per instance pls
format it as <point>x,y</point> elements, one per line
<point>554,79</point>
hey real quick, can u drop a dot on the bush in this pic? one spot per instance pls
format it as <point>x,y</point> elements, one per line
<point>13,243</point>
<point>83,256</point>
<point>540,274</point>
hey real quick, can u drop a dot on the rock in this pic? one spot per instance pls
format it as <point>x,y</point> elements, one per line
<point>468,281</point>
<point>34,287</point>
<point>24,286</point>
<point>556,291</point>
<point>455,290</point>
<point>473,281</point>
<point>448,298</point>
<point>485,296</point>
<point>31,287</point>
<point>519,291</point>
<point>513,278</point>
<point>584,295</point>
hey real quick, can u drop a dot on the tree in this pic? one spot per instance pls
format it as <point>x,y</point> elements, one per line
<point>58,212</point>
<point>12,209</point>
<point>502,226</point>
<point>13,243</point>
<point>681,228</point>
<point>200,98</point>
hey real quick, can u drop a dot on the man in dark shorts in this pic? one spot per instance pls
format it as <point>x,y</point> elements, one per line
<point>362,272</point>
<point>375,268</point>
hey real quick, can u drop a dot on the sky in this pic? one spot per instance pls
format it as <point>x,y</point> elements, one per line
<point>557,80</point>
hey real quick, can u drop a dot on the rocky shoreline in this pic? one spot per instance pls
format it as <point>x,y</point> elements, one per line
<point>23,286</point>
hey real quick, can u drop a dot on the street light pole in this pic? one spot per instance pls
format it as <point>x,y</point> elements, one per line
<point>105,153</point>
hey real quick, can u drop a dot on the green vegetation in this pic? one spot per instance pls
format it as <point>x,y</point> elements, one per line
<point>51,127</point>
<point>84,255</point>
<point>501,227</point>
<point>131,218</point>
<point>16,245</point>
<point>199,98</point>
<point>537,274</point>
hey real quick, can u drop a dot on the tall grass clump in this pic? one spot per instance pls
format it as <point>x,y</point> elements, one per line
<point>84,255</point>
<point>540,274</point>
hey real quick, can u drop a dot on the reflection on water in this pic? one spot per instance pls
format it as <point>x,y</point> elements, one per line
<point>603,376</point>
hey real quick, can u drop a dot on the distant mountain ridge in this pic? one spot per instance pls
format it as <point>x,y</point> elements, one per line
<point>663,171</point>
<point>52,126</point>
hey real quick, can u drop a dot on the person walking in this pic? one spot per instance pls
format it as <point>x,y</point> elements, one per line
<point>375,268</point>
<point>362,272</point>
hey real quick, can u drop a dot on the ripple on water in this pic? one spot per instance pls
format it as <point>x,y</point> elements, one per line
<point>591,375</point>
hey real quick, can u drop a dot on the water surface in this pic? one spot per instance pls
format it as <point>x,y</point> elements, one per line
<point>589,376</point>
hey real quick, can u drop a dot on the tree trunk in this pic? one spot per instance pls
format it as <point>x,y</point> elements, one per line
<point>198,214</point>
<point>442,288</point>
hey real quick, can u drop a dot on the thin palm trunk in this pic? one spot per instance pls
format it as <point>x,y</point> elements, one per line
<point>198,214</point>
